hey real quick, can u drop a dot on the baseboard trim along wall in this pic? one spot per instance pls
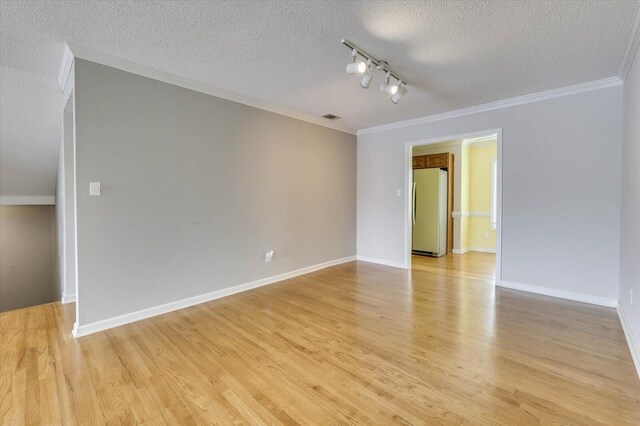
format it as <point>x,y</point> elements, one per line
<point>631,340</point>
<point>478,249</point>
<point>562,294</point>
<point>95,327</point>
<point>381,262</point>
<point>68,298</point>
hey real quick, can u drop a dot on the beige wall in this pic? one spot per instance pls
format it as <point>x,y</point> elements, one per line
<point>476,195</point>
<point>27,238</point>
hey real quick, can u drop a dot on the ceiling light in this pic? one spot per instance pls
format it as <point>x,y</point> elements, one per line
<point>371,72</point>
<point>402,90</point>
<point>397,90</point>
<point>356,67</point>
<point>388,87</point>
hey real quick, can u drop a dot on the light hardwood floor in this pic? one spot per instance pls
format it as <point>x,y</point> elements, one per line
<point>354,344</point>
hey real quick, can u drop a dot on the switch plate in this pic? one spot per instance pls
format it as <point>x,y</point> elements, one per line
<point>94,188</point>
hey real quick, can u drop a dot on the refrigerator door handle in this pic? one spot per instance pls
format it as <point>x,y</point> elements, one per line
<point>413,211</point>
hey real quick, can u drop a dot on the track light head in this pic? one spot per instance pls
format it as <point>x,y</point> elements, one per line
<point>356,67</point>
<point>388,87</point>
<point>402,90</point>
<point>371,71</point>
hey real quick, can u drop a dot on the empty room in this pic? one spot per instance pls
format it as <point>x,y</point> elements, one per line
<point>319,212</point>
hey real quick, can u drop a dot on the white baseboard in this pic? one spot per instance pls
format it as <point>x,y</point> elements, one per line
<point>631,341</point>
<point>68,298</point>
<point>562,294</point>
<point>483,250</point>
<point>381,262</point>
<point>85,329</point>
<point>478,249</point>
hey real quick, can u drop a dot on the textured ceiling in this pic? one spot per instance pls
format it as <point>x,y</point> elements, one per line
<point>288,54</point>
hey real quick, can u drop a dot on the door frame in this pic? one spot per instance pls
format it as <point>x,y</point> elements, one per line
<point>408,181</point>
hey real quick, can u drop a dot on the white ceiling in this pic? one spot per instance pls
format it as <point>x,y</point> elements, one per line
<point>288,54</point>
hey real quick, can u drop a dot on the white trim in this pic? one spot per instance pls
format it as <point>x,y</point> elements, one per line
<point>505,103</point>
<point>68,299</point>
<point>20,200</point>
<point>632,47</point>
<point>408,181</point>
<point>65,67</point>
<point>481,141</point>
<point>494,194</point>
<point>562,294</point>
<point>467,213</point>
<point>381,261</point>
<point>482,249</point>
<point>83,330</point>
<point>145,71</point>
<point>631,341</point>
<point>478,249</point>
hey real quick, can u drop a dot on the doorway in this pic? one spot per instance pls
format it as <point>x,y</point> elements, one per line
<point>470,215</point>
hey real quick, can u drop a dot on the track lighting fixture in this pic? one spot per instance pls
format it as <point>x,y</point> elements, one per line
<point>397,90</point>
<point>356,67</point>
<point>400,93</point>
<point>388,87</point>
<point>371,72</point>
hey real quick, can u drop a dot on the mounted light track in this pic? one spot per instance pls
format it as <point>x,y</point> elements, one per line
<point>374,61</point>
<point>396,90</point>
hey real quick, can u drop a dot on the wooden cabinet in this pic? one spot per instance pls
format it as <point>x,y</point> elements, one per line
<point>440,161</point>
<point>419,162</point>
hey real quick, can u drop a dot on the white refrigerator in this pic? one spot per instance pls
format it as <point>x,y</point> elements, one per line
<point>429,212</point>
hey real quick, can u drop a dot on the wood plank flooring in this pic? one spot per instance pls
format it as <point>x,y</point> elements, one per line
<point>357,343</point>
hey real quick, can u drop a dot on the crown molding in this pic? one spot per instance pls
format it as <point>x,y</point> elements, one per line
<point>22,200</point>
<point>632,47</point>
<point>505,103</point>
<point>65,67</point>
<point>145,71</point>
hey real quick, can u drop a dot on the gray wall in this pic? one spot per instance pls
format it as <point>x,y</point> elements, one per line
<point>561,189</point>
<point>60,255</point>
<point>27,255</point>
<point>630,223</point>
<point>195,189</point>
<point>69,287</point>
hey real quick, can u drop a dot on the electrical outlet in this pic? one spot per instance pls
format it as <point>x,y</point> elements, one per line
<point>268,256</point>
<point>485,236</point>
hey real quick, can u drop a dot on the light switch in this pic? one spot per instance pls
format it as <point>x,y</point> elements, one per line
<point>94,188</point>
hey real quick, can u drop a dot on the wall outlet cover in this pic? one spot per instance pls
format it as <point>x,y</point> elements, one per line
<point>268,256</point>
